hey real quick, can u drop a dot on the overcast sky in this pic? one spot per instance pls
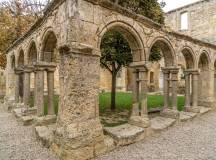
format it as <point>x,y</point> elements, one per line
<point>171,4</point>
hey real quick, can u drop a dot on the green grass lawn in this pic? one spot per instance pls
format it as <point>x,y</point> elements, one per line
<point>123,102</point>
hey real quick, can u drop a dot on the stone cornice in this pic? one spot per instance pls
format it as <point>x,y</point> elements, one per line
<point>114,7</point>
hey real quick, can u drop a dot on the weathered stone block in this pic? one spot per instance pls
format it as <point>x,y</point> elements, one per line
<point>170,113</point>
<point>185,116</point>
<point>45,120</point>
<point>125,134</point>
<point>45,134</point>
<point>139,121</point>
<point>161,123</point>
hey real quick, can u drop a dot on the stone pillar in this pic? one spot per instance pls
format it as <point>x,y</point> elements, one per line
<point>26,96</point>
<point>166,86</point>
<point>187,89</point>
<point>135,105</point>
<point>144,90</point>
<point>17,87</point>
<point>79,133</point>
<point>50,88</point>
<point>195,76</point>
<point>215,85</point>
<point>39,90</point>
<point>174,77</point>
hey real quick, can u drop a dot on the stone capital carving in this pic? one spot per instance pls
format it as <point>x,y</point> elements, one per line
<point>28,68</point>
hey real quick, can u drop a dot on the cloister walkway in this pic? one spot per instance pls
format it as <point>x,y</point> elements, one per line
<point>195,140</point>
<point>17,142</point>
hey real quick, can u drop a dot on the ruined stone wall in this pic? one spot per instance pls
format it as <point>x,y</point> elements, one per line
<point>201,20</point>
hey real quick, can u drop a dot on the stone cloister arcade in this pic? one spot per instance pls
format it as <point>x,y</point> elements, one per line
<point>69,36</point>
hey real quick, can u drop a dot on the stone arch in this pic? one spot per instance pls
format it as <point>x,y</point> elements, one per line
<point>49,46</point>
<point>167,50</point>
<point>13,61</point>
<point>32,53</point>
<point>204,61</point>
<point>20,58</point>
<point>189,57</point>
<point>130,34</point>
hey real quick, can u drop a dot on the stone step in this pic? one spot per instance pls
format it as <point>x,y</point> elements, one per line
<point>45,120</point>
<point>160,123</point>
<point>27,120</point>
<point>204,110</point>
<point>125,134</point>
<point>45,134</point>
<point>185,116</point>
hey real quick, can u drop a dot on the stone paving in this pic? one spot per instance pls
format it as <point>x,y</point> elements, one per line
<point>18,142</point>
<point>193,140</point>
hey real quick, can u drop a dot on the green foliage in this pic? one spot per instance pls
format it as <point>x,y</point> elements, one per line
<point>149,8</point>
<point>155,55</point>
<point>115,49</point>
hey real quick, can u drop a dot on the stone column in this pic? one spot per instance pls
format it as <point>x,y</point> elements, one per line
<point>26,96</point>
<point>17,87</point>
<point>135,108</point>
<point>215,85</point>
<point>50,88</point>
<point>166,86</point>
<point>195,75</point>
<point>174,78</point>
<point>144,90</point>
<point>79,133</point>
<point>39,90</point>
<point>187,90</point>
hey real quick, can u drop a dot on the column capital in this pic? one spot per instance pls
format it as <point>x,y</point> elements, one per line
<point>195,72</point>
<point>28,69</point>
<point>19,70</point>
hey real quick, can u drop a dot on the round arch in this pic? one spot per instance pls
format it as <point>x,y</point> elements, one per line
<point>13,61</point>
<point>189,57</point>
<point>130,34</point>
<point>20,58</point>
<point>167,50</point>
<point>49,44</point>
<point>204,61</point>
<point>32,53</point>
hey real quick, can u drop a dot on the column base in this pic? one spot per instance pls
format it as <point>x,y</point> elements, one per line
<point>140,121</point>
<point>81,140</point>
<point>170,113</point>
<point>207,103</point>
<point>45,120</point>
<point>192,109</point>
<point>29,111</point>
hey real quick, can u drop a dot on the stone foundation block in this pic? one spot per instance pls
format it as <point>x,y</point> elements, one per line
<point>204,110</point>
<point>170,113</point>
<point>185,116</point>
<point>139,121</point>
<point>161,123</point>
<point>45,120</point>
<point>192,109</point>
<point>45,134</point>
<point>27,120</point>
<point>79,140</point>
<point>125,134</point>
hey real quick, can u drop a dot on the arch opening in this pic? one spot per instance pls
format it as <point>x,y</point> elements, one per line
<point>129,50</point>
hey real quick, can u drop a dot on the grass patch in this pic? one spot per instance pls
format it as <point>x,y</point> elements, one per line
<point>123,102</point>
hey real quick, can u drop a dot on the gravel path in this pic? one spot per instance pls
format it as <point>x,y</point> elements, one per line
<point>18,142</point>
<point>195,140</point>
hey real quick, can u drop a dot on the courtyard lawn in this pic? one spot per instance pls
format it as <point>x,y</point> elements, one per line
<point>123,102</point>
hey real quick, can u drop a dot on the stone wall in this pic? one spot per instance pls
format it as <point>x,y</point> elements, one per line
<point>201,20</point>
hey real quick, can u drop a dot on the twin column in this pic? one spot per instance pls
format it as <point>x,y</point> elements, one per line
<point>191,76</point>
<point>39,70</point>
<point>139,115</point>
<point>170,82</point>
